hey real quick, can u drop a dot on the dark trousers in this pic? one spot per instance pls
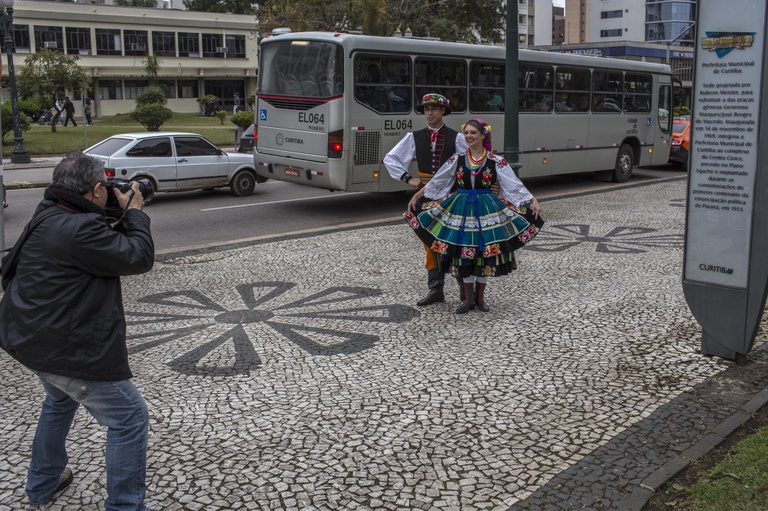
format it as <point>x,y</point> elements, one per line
<point>70,117</point>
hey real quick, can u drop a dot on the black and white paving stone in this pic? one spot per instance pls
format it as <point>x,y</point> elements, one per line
<point>299,375</point>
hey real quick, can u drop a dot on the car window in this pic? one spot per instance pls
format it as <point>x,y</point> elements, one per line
<point>110,146</point>
<point>152,147</point>
<point>194,146</point>
<point>679,127</point>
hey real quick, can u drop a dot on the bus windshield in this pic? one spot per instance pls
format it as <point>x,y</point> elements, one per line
<point>301,68</point>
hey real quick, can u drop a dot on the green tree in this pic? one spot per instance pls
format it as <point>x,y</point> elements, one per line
<point>50,74</point>
<point>151,111</point>
<point>7,120</point>
<point>230,6</point>
<point>152,67</point>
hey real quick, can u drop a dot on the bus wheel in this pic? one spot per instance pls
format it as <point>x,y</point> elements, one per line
<point>625,164</point>
<point>244,183</point>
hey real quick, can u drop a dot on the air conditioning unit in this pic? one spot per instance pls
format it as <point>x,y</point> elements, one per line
<point>221,49</point>
<point>137,47</point>
<point>50,44</point>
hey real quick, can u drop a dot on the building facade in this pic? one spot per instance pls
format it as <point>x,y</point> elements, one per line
<point>198,53</point>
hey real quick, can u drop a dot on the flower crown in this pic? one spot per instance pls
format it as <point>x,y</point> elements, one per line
<point>486,127</point>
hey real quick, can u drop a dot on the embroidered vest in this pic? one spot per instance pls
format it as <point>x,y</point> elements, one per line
<point>464,178</point>
<point>430,162</point>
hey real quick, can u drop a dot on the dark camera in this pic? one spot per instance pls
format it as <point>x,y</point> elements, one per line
<point>145,187</point>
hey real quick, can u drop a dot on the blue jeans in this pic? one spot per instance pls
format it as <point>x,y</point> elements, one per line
<point>115,404</point>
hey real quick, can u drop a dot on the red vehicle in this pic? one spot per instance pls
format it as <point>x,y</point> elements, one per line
<point>681,142</point>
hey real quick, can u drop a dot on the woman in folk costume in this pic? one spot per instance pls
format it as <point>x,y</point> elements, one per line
<point>473,230</point>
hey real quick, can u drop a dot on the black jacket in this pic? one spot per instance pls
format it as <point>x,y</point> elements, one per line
<point>63,311</point>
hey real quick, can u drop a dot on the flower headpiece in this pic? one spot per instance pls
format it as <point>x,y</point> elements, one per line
<point>434,99</point>
<point>486,127</point>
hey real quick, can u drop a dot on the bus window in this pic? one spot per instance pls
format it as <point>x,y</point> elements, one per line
<point>486,87</point>
<point>637,93</point>
<point>383,82</point>
<point>571,90</point>
<point>446,77</point>
<point>665,107</point>
<point>607,87</point>
<point>302,68</point>
<point>536,86</point>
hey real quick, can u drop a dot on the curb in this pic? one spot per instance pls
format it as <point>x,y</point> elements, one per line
<point>651,484</point>
<point>20,185</point>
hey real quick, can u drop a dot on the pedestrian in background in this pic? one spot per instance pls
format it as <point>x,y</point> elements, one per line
<point>62,317</point>
<point>474,231</point>
<point>69,109</point>
<point>236,101</point>
<point>431,146</point>
<point>88,111</point>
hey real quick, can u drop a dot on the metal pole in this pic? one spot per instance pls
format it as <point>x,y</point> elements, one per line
<point>85,122</point>
<point>20,154</point>
<point>511,118</point>
<point>2,182</point>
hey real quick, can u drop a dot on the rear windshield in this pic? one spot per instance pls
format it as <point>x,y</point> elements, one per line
<point>301,68</point>
<point>679,127</point>
<point>110,146</point>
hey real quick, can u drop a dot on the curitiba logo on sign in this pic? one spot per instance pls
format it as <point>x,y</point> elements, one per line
<point>718,269</point>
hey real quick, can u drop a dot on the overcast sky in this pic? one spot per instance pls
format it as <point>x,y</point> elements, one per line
<point>559,3</point>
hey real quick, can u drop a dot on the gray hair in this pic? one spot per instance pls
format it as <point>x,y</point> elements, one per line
<point>78,172</point>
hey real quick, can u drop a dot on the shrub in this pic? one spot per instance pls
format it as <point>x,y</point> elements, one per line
<point>250,101</point>
<point>7,115</point>
<point>151,116</point>
<point>151,95</point>
<point>222,116</point>
<point>30,107</point>
<point>682,110</point>
<point>242,119</point>
<point>202,101</point>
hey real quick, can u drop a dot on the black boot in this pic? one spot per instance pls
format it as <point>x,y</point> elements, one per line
<point>435,284</point>
<point>469,296</point>
<point>462,293</point>
<point>481,303</point>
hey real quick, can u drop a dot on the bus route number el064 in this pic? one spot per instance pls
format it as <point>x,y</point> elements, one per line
<point>398,124</point>
<point>311,118</point>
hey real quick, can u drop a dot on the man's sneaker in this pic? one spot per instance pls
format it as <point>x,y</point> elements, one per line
<point>65,479</point>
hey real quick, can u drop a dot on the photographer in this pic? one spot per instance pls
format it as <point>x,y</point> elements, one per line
<point>62,317</point>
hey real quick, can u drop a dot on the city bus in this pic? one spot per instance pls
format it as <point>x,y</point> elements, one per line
<point>331,105</point>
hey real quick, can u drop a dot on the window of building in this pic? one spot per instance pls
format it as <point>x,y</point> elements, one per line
<point>169,88</point>
<point>51,38</point>
<point>571,90</point>
<point>235,46</point>
<point>611,33</point>
<point>21,40</point>
<point>486,87</point>
<point>108,42</point>
<point>447,77</point>
<point>536,84</point>
<point>135,87</point>
<point>164,44</point>
<point>637,92</point>
<point>189,44</point>
<point>110,89</point>
<point>607,87</point>
<point>383,82</point>
<point>78,41</point>
<point>135,42</point>
<point>187,89</point>
<point>213,45</point>
<point>611,14</point>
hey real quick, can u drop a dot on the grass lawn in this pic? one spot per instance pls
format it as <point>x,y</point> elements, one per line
<point>40,141</point>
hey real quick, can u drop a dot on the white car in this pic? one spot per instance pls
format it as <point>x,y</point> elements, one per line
<point>176,162</point>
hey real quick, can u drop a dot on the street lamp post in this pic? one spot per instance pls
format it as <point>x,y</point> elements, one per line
<point>20,154</point>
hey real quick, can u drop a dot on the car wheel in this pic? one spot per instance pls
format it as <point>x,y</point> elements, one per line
<point>244,183</point>
<point>625,164</point>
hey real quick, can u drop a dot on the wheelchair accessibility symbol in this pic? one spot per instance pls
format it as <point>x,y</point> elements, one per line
<point>263,115</point>
<point>647,120</point>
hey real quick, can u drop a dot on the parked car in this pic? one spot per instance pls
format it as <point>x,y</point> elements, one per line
<point>246,141</point>
<point>681,142</point>
<point>176,162</point>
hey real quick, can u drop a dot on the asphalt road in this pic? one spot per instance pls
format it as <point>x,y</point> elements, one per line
<point>195,219</point>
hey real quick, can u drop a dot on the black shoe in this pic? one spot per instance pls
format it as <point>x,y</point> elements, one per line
<point>463,308</point>
<point>434,296</point>
<point>483,306</point>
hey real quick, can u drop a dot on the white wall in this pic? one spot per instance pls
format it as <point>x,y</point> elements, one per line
<point>632,23</point>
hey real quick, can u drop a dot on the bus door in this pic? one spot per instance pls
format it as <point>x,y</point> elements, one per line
<point>663,127</point>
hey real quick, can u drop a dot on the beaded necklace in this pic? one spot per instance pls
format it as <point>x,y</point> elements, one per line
<point>475,165</point>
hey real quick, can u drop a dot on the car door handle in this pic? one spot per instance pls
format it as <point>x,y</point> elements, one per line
<point>182,160</point>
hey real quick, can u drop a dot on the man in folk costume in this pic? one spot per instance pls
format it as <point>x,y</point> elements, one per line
<point>431,146</point>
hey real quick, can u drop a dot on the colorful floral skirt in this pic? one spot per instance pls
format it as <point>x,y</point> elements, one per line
<point>474,232</point>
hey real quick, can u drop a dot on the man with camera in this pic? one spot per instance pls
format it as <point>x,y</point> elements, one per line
<point>62,317</point>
